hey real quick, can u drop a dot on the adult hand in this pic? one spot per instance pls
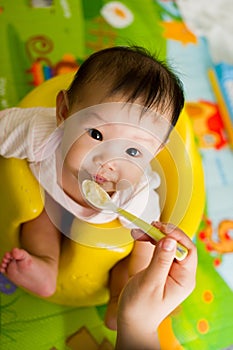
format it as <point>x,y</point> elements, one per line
<point>153,293</point>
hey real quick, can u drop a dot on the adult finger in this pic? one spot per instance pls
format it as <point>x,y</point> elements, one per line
<point>140,235</point>
<point>184,272</point>
<point>157,272</point>
<point>176,233</point>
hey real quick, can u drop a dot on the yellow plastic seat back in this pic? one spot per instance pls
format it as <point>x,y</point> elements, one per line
<point>182,201</point>
<point>182,191</point>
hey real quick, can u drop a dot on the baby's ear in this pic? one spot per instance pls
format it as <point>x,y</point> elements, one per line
<point>62,106</point>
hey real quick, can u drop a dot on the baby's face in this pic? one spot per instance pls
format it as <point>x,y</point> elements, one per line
<point>112,144</point>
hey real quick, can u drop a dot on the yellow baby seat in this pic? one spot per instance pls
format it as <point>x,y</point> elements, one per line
<point>83,270</point>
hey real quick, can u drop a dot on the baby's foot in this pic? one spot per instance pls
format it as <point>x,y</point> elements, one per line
<point>30,272</point>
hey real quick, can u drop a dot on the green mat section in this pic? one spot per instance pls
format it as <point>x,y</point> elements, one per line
<point>41,39</point>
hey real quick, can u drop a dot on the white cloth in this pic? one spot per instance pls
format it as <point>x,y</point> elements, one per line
<point>212,20</point>
<point>24,134</point>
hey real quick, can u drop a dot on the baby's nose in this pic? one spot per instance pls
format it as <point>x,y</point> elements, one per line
<point>104,162</point>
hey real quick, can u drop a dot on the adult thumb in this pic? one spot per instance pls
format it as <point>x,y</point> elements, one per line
<point>162,260</point>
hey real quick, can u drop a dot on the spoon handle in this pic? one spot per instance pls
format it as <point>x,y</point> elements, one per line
<point>153,232</point>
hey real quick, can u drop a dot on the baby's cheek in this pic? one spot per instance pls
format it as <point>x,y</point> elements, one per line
<point>133,174</point>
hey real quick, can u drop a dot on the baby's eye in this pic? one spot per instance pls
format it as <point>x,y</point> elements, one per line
<point>133,152</point>
<point>95,134</point>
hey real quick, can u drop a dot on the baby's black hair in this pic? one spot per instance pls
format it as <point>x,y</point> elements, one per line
<point>136,74</point>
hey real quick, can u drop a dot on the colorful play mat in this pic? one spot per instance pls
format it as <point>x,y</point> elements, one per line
<point>43,38</point>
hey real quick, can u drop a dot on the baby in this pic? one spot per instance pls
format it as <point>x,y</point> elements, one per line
<point>112,121</point>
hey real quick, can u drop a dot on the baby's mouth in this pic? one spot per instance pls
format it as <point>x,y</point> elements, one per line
<point>99,179</point>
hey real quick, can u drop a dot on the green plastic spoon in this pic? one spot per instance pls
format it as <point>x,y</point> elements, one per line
<point>100,199</point>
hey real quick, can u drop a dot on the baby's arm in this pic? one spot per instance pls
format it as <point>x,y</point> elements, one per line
<point>153,293</point>
<point>121,272</point>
